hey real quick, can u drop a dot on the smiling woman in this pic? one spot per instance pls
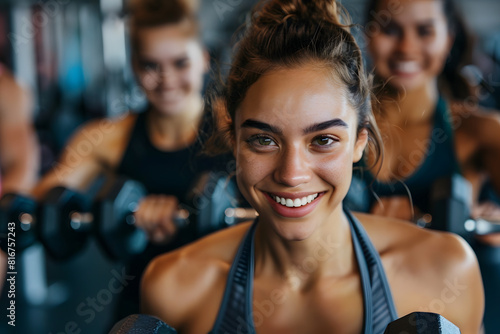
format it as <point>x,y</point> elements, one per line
<point>298,105</point>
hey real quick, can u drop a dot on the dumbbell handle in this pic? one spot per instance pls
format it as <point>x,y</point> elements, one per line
<point>81,221</point>
<point>482,226</point>
<point>231,216</point>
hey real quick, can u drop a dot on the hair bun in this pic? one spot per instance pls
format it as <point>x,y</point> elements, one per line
<point>282,11</point>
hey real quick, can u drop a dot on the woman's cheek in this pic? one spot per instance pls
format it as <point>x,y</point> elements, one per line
<point>336,169</point>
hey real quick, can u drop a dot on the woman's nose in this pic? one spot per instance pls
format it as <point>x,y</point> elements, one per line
<point>407,44</point>
<point>168,78</point>
<point>293,168</point>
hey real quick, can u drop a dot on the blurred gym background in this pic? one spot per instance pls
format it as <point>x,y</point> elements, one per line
<point>73,55</point>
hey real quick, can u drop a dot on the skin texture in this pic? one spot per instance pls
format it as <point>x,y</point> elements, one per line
<point>19,151</point>
<point>409,53</point>
<point>19,155</point>
<point>185,287</point>
<point>169,65</point>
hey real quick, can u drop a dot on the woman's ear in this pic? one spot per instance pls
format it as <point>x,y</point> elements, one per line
<point>359,146</point>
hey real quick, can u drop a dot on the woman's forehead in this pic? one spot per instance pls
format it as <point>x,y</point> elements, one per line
<point>295,95</point>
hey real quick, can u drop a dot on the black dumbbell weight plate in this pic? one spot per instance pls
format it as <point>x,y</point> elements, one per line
<point>58,233</point>
<point>116,229</point>
<point>19,210</point>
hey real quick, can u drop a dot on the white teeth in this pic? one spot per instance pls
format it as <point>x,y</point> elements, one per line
<point>297,202</point>
<point>407,66</point>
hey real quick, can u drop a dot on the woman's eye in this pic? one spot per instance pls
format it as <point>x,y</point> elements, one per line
<point>261,141</point>
<point>149,66</point>
<point>425,31</point>
<point>324,141</point>
<point>183,63</point>
<point>391,30</point>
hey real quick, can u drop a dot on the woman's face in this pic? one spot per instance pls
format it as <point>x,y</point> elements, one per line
<point>295,143</point>
<point>169,63</point>
<point>412,42</point>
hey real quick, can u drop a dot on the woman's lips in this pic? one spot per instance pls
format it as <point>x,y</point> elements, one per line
<point>293,205</point>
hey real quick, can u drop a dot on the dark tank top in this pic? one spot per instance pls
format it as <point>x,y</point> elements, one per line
<point>235,313</point>
<point>440,161</point>
<point>162,172</point>
<point>165,172</point>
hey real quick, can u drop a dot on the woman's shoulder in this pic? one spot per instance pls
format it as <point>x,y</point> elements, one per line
<point>471,117</point>
<point>428,270</point>
<point>394,234</point>
<point>177,284</point>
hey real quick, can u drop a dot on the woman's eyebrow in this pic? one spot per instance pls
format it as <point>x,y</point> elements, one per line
<point>250,123</point>
<point>336,122</point>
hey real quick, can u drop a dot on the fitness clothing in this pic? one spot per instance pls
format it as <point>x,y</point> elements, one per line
<point>235,313</point>
<point>164,172</point>
<point>161,172</point>
<point>440,161</point>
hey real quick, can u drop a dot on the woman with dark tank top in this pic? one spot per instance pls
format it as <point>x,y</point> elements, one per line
<point>159,147</point>
<point>431,123</point>
<point>299,115</point>
<point>427,112</point>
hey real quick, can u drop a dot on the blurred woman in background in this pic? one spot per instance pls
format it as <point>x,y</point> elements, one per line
<point>431,124</point>
<point>159,147</point>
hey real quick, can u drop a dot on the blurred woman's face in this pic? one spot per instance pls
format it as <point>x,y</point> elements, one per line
<point>295,142</point>
<point>411,48</point>
<point>169,63</point>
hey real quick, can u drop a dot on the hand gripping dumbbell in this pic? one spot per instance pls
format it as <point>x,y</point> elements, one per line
<point>450,209</point>
<point>68,218</point>
<point>413,323</point>
<point>212,205</point>
<point>17,221</point>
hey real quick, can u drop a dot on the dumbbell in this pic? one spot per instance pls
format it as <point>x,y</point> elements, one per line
<point>450,204</point>
<point>422,323</point>
<point>211,206</point>
<point>17,217</point>
<point>413,323</point>
<point>68,218</point>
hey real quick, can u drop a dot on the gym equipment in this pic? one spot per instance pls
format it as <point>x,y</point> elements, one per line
<point>141,323</point>
<point>65,218</point>
<point>65,222</point>
<point>17,217</point>
<point>450,209</point>
<point>68,218</point>
<point>213,206</point>
<point>422,323</point>
<point>413,323</point>
<point>115,223</point>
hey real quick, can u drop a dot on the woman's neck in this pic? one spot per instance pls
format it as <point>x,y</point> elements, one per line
<point>171,132</point>
<point>406,108</point>
<point>328,252</point>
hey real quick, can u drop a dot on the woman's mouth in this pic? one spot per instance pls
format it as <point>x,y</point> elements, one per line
<point>294,202</point>
<point>293,205</point>
<point>406,68</point>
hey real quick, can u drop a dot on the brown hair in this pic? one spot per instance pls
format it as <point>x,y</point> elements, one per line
<point>287,34</point>
<point>155,13</point>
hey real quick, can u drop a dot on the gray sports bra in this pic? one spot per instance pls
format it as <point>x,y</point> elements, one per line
<point>235,313</point>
